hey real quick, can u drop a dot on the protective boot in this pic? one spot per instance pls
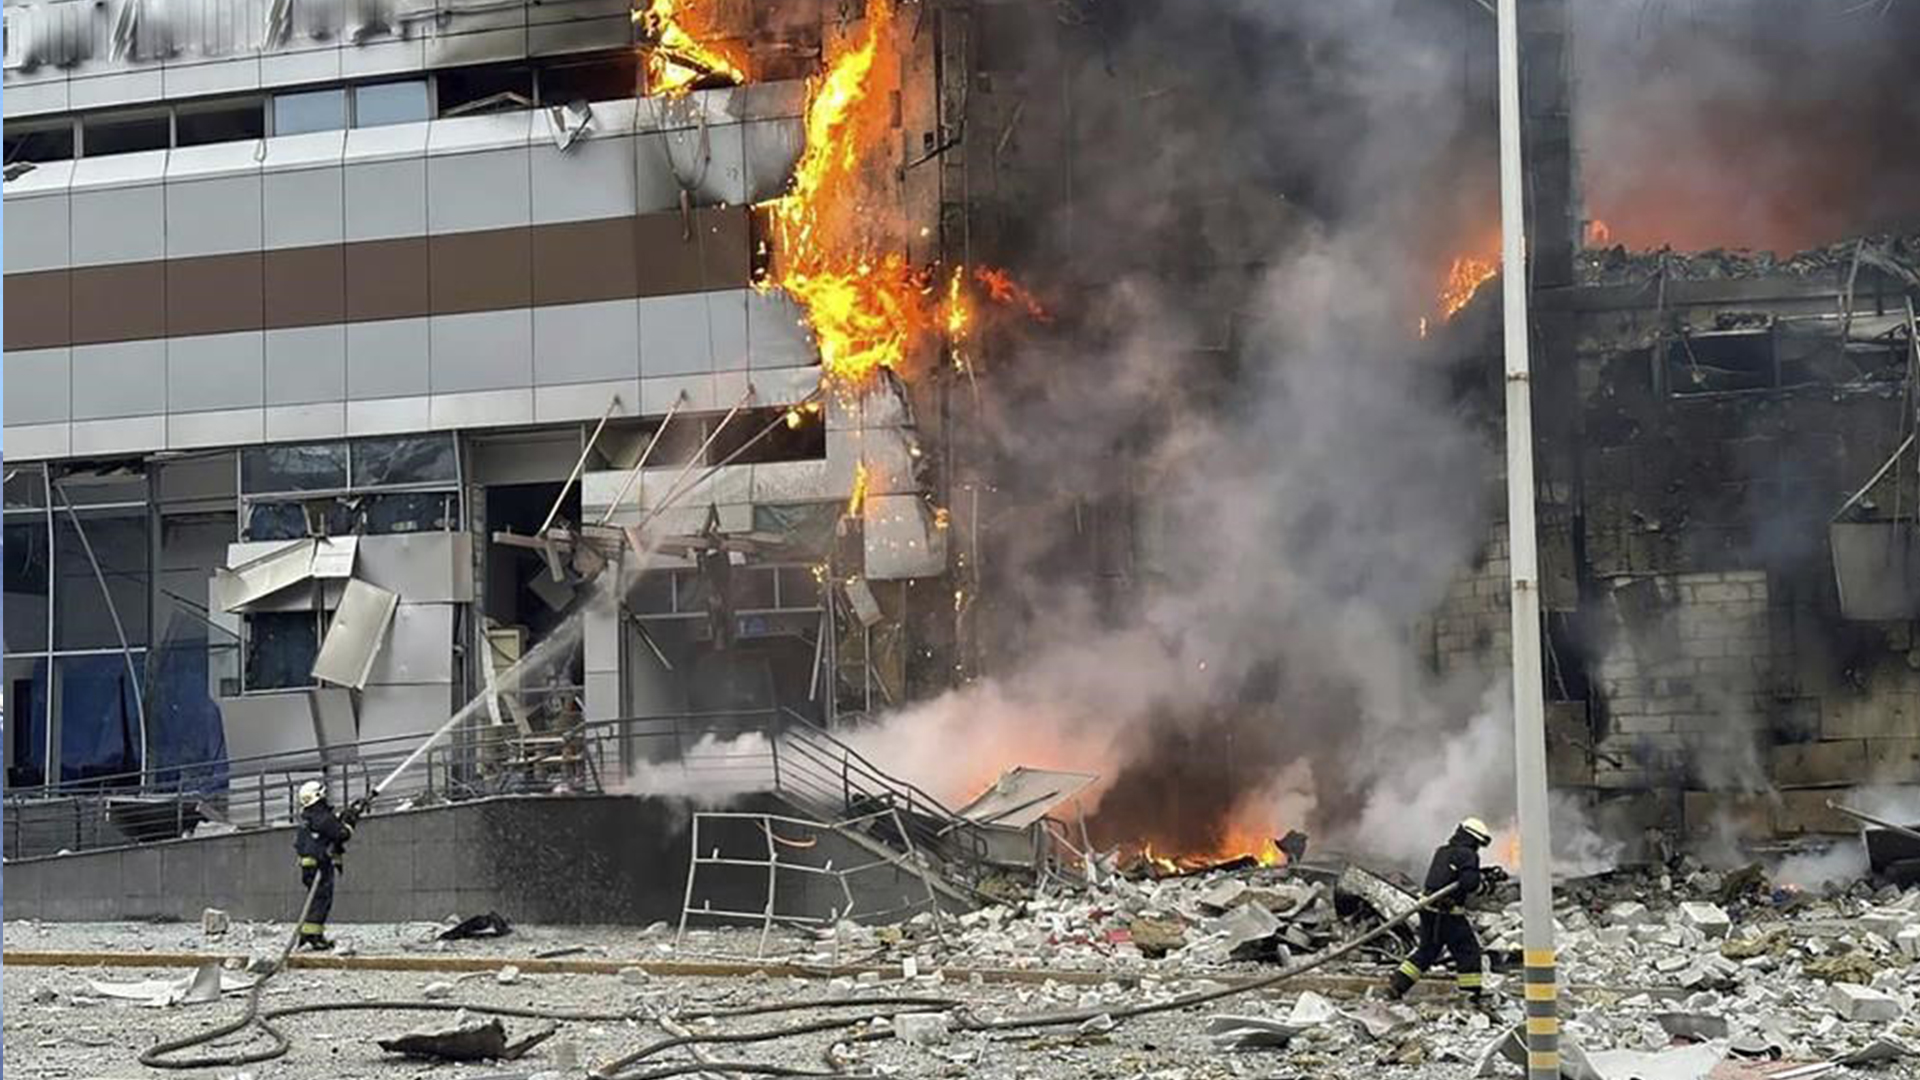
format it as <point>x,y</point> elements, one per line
<point>1403,979</point>
<point>316,942</point>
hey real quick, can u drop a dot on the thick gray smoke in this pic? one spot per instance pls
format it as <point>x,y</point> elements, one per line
<point>1268,194</point>
<point>1747,123</point>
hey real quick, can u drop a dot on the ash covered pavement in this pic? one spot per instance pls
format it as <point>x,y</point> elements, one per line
<point>1682,972</point>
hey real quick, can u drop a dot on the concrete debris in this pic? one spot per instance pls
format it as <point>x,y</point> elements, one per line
<point>477,926</point>
<point>1312,1010</point>
<point>507,975</point>
<point>1708,919</point>
<point>922,1029</point>
<point>1381,1020</point>
<point>1692,1026</point>
<point>1245,925</point>
<point>1863,1003</point>
<point>634,976</point>
<point>214,922</point>
<point>1680,1063</point>
<point>1222,894</point>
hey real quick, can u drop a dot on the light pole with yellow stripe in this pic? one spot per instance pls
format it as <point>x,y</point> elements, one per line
<point>1529,705</point>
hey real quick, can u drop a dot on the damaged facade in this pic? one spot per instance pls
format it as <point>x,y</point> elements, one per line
<point>328,324</point>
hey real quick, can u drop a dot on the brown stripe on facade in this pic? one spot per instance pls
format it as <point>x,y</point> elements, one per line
<point>497,269</point>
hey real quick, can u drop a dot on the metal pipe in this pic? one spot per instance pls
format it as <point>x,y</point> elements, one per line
<point>1871,820</point>
<point>1529,702</point>
<point>119,629</point>
<point>580,464</point>
<point>634,473</point>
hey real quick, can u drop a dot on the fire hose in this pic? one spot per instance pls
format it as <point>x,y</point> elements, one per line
<point>613,1070</point>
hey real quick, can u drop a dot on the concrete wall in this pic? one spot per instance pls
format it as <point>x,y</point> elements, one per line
<point>594,860</point>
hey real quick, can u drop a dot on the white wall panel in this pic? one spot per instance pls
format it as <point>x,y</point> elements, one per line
<point>36,233</point>
<point>116,225</point>
<point>306,364</point>
<point>38,385</point>
<point>486,350</point>
<point>575,343</point>
<point>388,358</point>
<point>126,378</point>
<point>216,371</point>
<point>488,190</point>
<point>386,199</point>
<point>213,217</point>
<point>303,207</point>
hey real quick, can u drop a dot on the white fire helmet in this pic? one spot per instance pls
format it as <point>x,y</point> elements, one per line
<point>311,792</point>
<point>1477,829</point>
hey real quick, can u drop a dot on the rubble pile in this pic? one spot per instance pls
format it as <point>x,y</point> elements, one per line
<point>1897,255</point>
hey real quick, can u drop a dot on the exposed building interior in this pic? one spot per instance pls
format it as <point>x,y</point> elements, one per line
<point>883,457</point>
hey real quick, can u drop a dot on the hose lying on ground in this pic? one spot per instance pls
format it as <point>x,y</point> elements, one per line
<point>159,1056</point>
<point>613,1069</point>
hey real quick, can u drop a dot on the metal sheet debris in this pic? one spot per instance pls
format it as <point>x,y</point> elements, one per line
<point>353,641</point>
<point>1022,796</point>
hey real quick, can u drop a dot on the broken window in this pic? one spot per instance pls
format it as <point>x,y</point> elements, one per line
<point>117,540</point>
<point>126,132</point>
<point>1722,361</point>
<point>409,511</point>
<point>280,650</point>
<point>408,460</point>
<point>606,79</point>
<point>391,103</point>
<point>313,467</point>
<point>220,121</point>
<point>28,580</point>
<point>794,435</point>
<point>51,141</point>
<point>474,91</point>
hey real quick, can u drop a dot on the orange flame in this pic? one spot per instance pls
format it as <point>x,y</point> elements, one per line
<point>679,53</point>
<point>1004,290</point>
<point>1599,234</point>
<point>1464,279</point>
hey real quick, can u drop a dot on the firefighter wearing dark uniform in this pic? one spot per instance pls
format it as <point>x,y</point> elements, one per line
<point>1445,930</point>
<point>320,841</point>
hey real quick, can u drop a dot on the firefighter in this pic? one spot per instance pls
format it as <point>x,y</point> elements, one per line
<point>321,841</point>
<point>1444,929</point>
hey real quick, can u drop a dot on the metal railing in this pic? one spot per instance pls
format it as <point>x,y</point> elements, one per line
<point>775,751</point>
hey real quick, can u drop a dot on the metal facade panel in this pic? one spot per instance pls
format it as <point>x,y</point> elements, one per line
<point>126,378</point>
<point>356,635</point>
<point>33,442</point>
<point>304,206</point>
<point>37,236</point>
<point>1877,568</point>
<point>333,556</point>
<point>278,723</point>
<point>575,343</point>
<point>901,541</point>
<point>391,712</point>
<point>772,150</point>
<point>592,179</point>
<point>487,190</point>
<point>216,371</point>
<point>239,587</point>
<point>584,401</point>
<point>675,335</point>
<point>335,724</point>
<point>127,435</point>
<point>424,568</point>
<point>220,427</point>
<point>306,365</point>
<point>38,384</point>
<point>388,359</point>
<point>118,225</point>
<point>776,332</point>
<point>481,408</point>
<point>710,162</point>
<point>303,423</point>
<point>213,217</point>
<point>488,350</point>
<point>386,199</point>
<point>420,648</point>
<point>388,415</point>
<point>727,323</point>
<point>1022,796</point>
<point>656,184</point>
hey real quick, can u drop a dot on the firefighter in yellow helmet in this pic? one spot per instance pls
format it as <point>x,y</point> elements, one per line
<point>1444,929</point>
<point>320,840</point>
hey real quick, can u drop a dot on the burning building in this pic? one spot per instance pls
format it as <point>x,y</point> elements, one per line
<point>987,383</point>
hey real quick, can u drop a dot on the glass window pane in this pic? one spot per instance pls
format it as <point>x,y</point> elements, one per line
<point>81,618</point>
<point>227,121</point>
<point>281,646</point>
<point>99,488</point>
<point>390,103</point>
<point>26,695</point>
<point>99,722</point>
<point>316,467</point>
<point>317,110</point>
<point>122,134</point>
<point>26,584</point>
<point>407,460</point>
<point>26,487</point>
<point>405,512</point>
<point>40,144</point>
